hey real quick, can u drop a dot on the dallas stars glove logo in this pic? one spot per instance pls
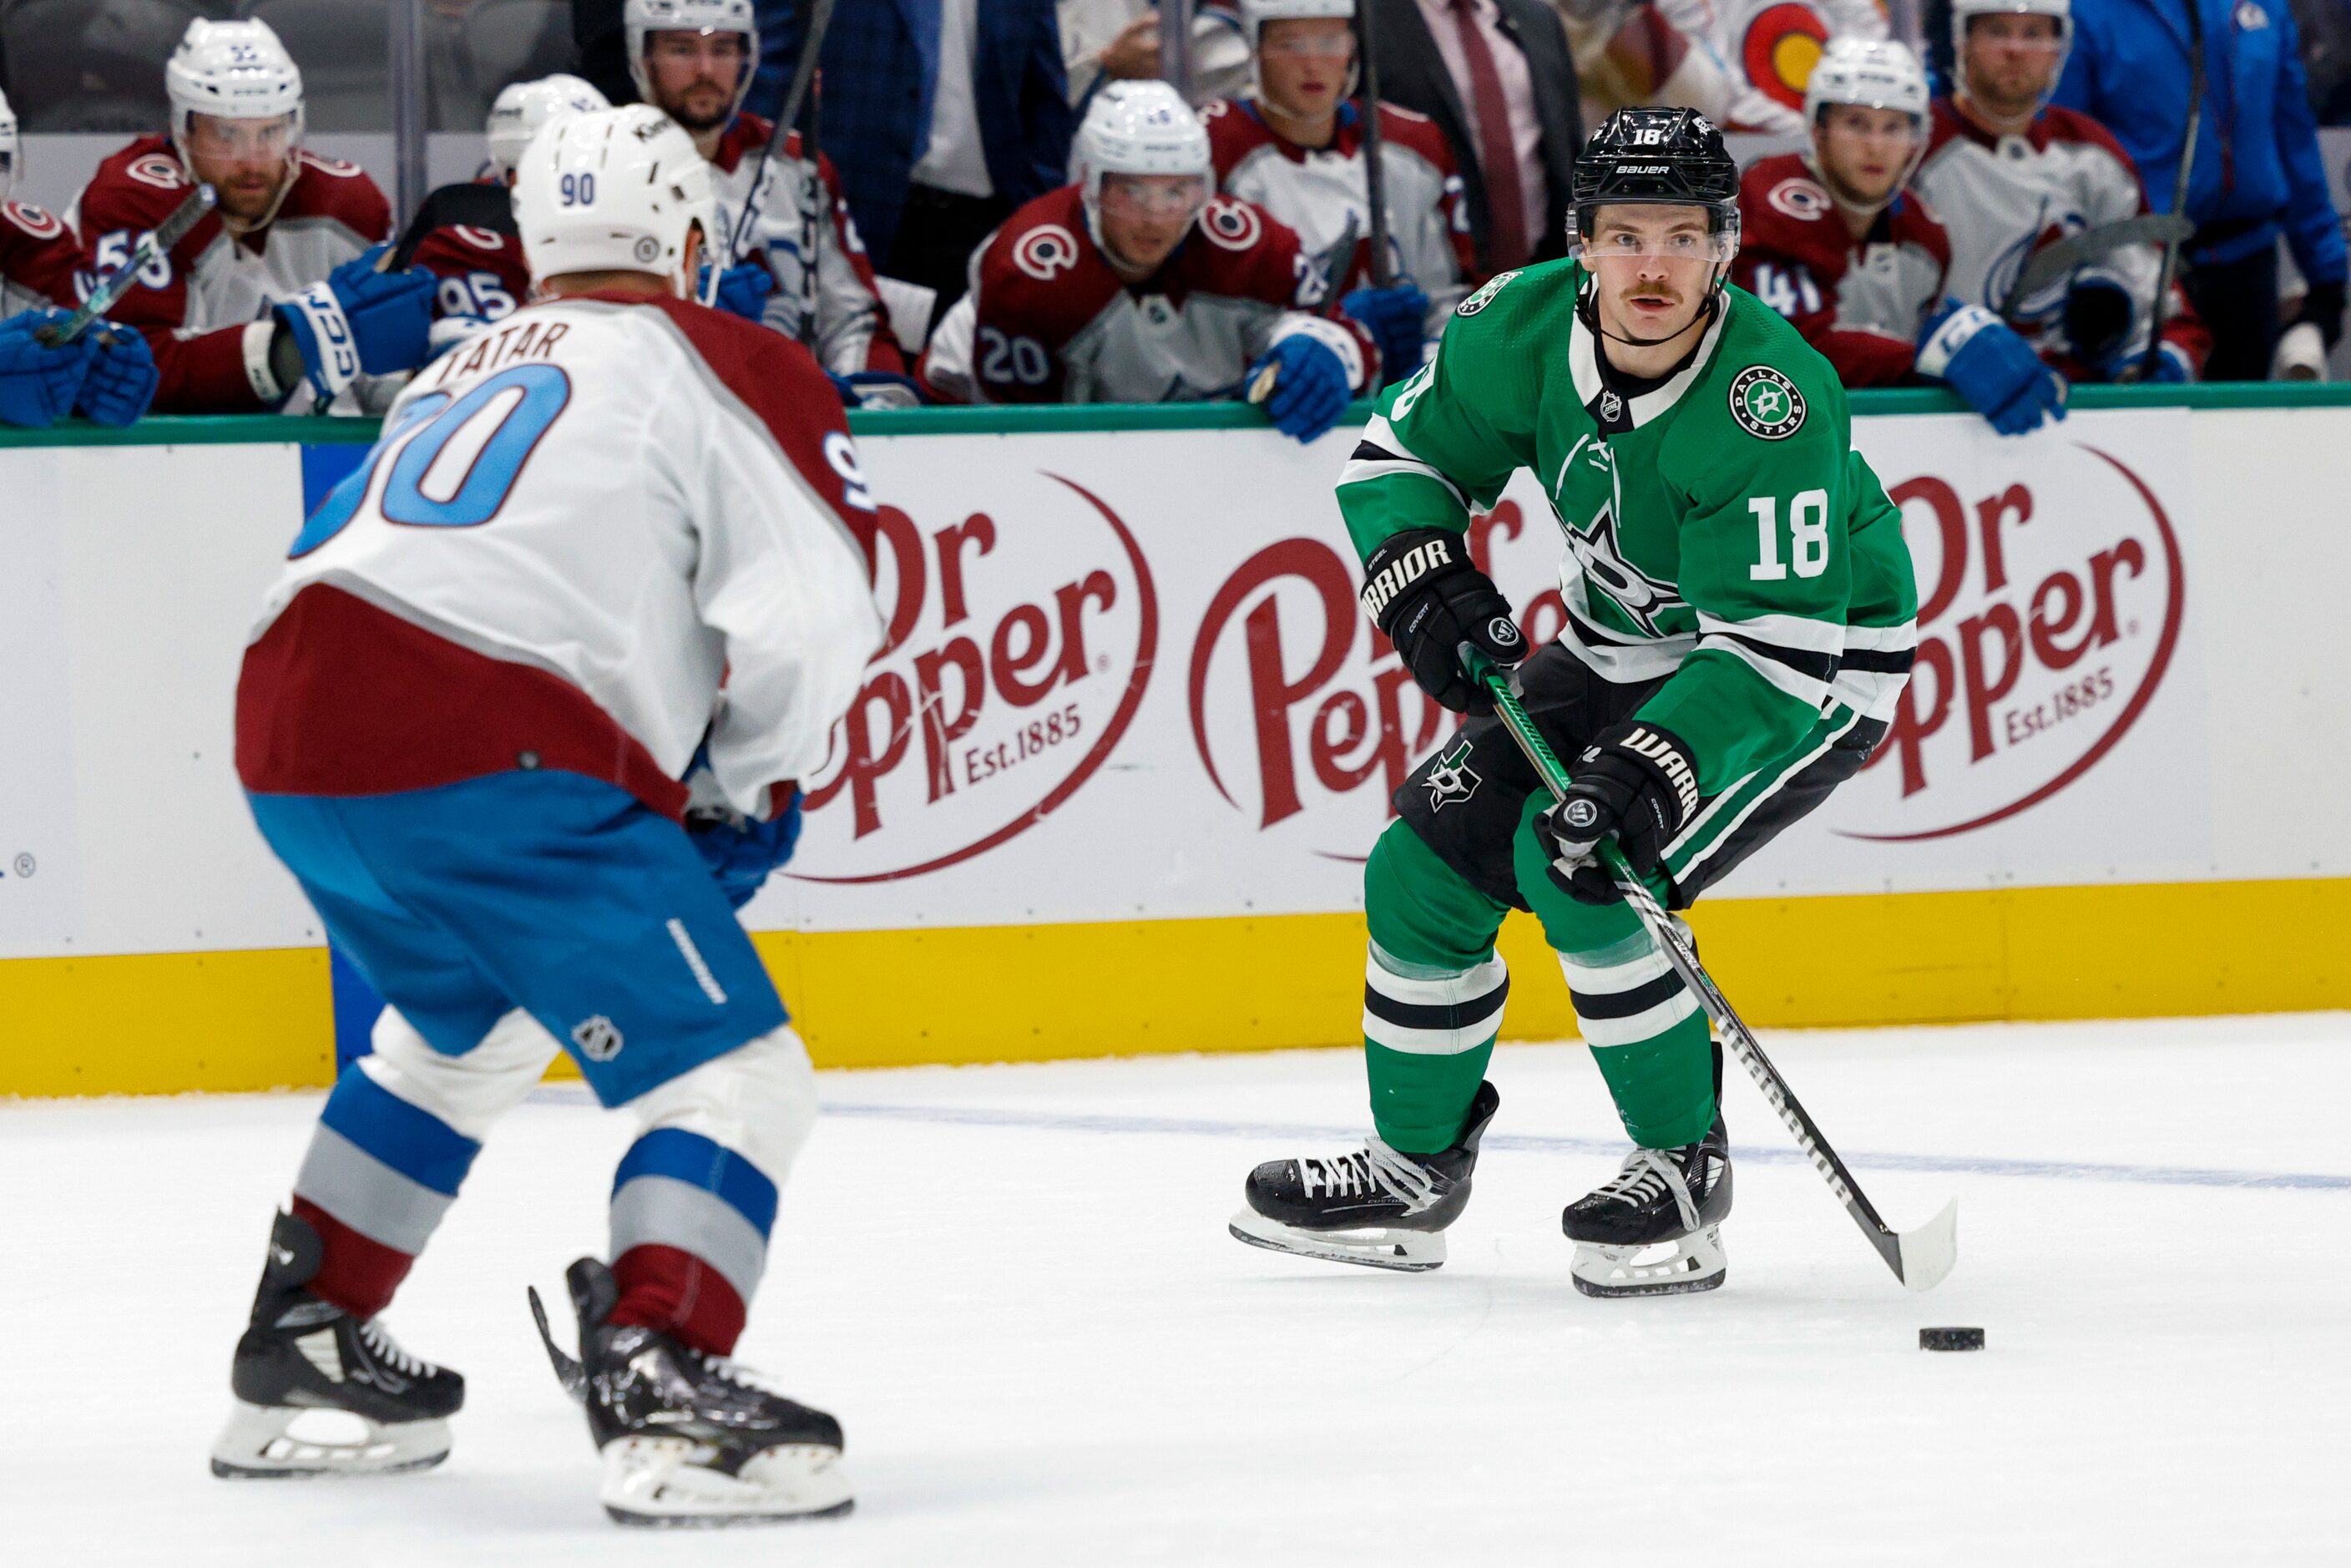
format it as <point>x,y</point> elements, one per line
<point>1766,404</point>
<point>1451,778</point>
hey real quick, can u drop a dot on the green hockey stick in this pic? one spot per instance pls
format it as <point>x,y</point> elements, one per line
<point>1919,1258</point>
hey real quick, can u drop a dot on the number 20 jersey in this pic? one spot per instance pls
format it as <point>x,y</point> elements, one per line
<point>1721,534</point>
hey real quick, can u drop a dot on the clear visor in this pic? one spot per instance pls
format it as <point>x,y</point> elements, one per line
<point>1292,44</point>
<point>1614,244</point>
<point>241,141</point>
<point>1153,196</point>
<point>717,45</point>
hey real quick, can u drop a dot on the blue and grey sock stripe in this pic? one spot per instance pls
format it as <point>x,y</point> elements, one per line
<point>676,1188</point>
<point>386,1168</point>
<point>1625,993</point>
<point>1435,1012</point>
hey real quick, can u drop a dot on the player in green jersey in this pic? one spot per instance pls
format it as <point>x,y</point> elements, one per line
<point>1740,624</point>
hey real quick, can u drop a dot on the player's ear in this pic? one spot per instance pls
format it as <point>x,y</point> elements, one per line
<point>689,269</point>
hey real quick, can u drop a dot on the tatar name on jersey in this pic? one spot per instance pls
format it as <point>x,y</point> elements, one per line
<point>1796,255</point>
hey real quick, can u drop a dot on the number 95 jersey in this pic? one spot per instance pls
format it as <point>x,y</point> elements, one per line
<point>588,536</point>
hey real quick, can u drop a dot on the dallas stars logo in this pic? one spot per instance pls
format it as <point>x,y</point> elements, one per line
<point>1766,404</point>
<point>1450,777</point>
<point>1641,597</point>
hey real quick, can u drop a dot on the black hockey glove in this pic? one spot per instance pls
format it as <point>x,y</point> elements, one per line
<point>1636,783</point>
<point>1421,589</point>
<point>2323,308</point>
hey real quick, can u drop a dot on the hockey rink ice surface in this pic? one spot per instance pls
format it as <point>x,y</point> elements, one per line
<point>1014,1286</point>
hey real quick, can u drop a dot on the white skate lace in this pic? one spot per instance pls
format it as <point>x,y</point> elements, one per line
<point>1375,1166</point>
<point>1646,1173</point>
<point>728,1370</point>
<point>386,1349</point>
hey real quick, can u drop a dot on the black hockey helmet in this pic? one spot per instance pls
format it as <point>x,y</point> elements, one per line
<point>1665,156</point>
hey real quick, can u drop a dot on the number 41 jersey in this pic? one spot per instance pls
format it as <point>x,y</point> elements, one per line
<point>1721,534</point>
<point>588,537</point>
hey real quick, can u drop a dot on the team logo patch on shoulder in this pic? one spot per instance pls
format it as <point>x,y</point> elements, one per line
<point>1801,199</point>
<point>1044,251</point>
<point>1766,404</point>
<point>1485,292</point>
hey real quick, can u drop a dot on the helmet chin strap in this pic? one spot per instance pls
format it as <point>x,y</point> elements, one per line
<point>1705,314</point>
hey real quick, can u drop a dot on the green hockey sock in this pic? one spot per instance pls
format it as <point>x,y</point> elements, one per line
<point>1433,992</point>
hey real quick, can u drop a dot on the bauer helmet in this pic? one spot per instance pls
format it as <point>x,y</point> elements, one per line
<point>1256,14</point>
<point>1872,75</point>
<point>615,190</point>
<point>232,70</point>
<point>1965,12</point>
<point>9,147</point>
<point>640,18</point>
<point>1140,128</point>
<point>1661,157</point>
<point>521,108</point>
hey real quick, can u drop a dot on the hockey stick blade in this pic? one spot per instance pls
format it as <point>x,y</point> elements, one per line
<point>108,290</point>
<point>1921,1257</point>
<point>568,1371</point>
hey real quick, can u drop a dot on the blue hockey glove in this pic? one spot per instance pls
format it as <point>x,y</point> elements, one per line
<point>1982,360</point>
<point>2170,365</point>
<point>743,290</point>
<point>359,320</point>
<point>122,377</point>
<point>38,385</point>
<point>741,851</point>
<point>1310,389</point>
<point>876,388</point>
<point>1392,316</point>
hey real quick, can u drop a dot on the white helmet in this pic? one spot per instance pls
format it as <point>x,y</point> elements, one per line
<point>613,190</point>
<point>639,17</point>
<point>521,108</point>
<point>1874,74</point>
<point>1139,128</point>
<point>232,70</point>
<point>1965,12</point>
<point>1256,14</point>
<point>8,147</point>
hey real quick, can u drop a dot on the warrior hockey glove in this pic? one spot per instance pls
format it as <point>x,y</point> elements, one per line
<point>38,385</point>
<point>1310,389</point>
<point>1392,316</point>
<point>1636,784</point>
<point>359,320</point>
<point>122,378</point>
<point>743,290</point>
<point>741,851</point>
<point>1421,589</point>
<point>1983,361</point>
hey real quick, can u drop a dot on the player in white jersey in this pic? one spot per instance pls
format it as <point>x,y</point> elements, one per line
<point>694,58</point>
<point>2012,176</point>
<point>524,716</point>
<point>1296,149</point>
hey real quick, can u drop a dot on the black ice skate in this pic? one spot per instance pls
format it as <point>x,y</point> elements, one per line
<point>1674,1199</point>
<point>304,1369</point>
<point>1375,1207</point>
<point>689,1438</point>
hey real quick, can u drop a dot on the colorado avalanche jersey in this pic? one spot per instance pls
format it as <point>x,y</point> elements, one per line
<point>1047,320</point>
<point>1320,191</point>
<point>39,259</point>
<point>1861,302</point>
<point>205,306</point>
<point>590,536</point>
<point>851,330</point>
<point>2005,198</point>
<point>479,272</point>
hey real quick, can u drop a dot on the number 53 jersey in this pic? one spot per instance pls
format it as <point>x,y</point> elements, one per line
<point>1721,535</point>
<point>588,538</point>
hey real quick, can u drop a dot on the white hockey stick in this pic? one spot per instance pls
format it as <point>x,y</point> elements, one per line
<point>1919,1258</point>
<point>110,288</point>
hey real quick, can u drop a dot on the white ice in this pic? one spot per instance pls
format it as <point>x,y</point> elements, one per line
<point>1014,1286</point>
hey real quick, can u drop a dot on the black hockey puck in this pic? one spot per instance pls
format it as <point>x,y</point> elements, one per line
<point>1951,1339</point>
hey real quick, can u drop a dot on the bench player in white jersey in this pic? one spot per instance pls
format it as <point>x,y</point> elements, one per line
<point>1835,240</point>
<point>1138,285</point>
<point>524,716</point>
<point>105,375</point>
<point>2012,175</point>
<point>694,58</point>
<point>273,300</point>
<point>1296,149</point>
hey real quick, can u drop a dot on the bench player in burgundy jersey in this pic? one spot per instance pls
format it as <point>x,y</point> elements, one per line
<point>1296,149</point>
<point>260,306</point>
<point>1137,286</point>
<point>1836,240</point>
<point>693,59</point>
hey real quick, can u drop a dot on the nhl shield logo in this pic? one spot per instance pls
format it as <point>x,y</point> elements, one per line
<point>599,1037</point>
<point>1450,777</point>
<point>1766,404</point>
<point>1611,408</point>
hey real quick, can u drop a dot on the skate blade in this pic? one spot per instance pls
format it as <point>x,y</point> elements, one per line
<point>660,1483</point>
<point>259,1444</point>
<point>1697,1263</point>
<point>1404,1251</point>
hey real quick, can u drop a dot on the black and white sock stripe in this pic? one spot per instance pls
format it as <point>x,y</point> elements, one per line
<point>1625,1000</point>
<point>1441,1016</point>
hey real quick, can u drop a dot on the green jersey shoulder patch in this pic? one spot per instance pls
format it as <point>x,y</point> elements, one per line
<point>1766,404</point>
<point>1485,292</point>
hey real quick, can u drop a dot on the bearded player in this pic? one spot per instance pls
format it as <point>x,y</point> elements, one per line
<point>1740,624</point>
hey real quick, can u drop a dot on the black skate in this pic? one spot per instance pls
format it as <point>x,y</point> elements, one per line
<point>306,1363</point>
<point>690,1439</point>
<point>1375,1207</point>
<point>1674,1199</point>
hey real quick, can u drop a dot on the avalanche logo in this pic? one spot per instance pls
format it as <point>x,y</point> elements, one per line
<point>1046,251</point>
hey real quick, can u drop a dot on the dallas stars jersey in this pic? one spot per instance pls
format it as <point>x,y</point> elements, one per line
<point>1721,532</point>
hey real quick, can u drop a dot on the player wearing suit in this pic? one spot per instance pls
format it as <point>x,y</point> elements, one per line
<point>524,733</point>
